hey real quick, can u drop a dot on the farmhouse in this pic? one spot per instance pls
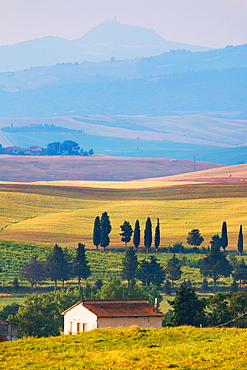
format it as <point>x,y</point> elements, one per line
<point>8,330</point>
<point>91,314</point>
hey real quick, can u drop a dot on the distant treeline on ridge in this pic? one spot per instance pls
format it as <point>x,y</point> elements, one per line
<point>40,128</point>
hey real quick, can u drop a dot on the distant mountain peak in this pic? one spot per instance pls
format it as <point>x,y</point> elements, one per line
<point>104,41</point>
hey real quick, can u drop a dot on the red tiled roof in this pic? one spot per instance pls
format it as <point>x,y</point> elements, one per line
<point>119,308</point>
<point>123,310</point>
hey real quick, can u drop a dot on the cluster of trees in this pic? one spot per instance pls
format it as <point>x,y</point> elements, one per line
<point>59,265</point>
<point>220,310</point>
<point>149,271</point>
<point>214,265</point>
<point>68,147</point>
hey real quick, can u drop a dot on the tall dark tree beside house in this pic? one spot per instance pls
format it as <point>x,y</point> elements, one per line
<point>194,238</point>
<point>129,266</point>
<point>240,241</point>
<point>188,309</point>
<point>56,265</point>
<point>137,234</point>
<point>173,269</point>
<point>215,263</point>
<point>81,266</point>
<point>148,235</point>
<point>126,233</point>
<point>96,232</point>
<point>33,271</point>
<point>105,229</point>
<point>224,237</point>
<point>157,235</point>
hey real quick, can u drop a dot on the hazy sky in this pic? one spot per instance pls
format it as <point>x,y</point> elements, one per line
<point>215,23</point>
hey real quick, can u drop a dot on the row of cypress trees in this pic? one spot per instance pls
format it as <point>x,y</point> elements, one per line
<point>102,229</point>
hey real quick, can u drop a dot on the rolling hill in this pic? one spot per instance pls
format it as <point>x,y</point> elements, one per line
<point>94,168</point>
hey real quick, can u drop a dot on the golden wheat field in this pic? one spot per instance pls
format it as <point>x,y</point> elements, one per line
<point>65,214</point>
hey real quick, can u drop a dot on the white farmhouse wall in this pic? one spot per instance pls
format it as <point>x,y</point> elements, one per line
<point>76,317</point>
<point>142,322</point>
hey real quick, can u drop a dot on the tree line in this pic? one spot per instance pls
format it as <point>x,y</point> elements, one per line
<point>59,265</point>
<point>67,147</point>
<point>41,128</point>
<point>102,228</point>
<point>62,266</point>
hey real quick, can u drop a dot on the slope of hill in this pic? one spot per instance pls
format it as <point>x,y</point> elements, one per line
<point>213,91</point>
<point>94,168</point>
<point>106,40</point>
<point>167,348</point>
<point>220,174</point>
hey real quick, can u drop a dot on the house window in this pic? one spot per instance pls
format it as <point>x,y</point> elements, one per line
<point>78,327</point>
<point>84,326</point>
<point>70,327</point>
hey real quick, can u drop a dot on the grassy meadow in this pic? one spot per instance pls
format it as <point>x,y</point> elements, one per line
<point>65,215</point>
<point>184,348</point>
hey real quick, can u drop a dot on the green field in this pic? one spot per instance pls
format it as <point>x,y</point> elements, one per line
<point>184,348</point>
<point>6,300</point>
<point>65,215</point>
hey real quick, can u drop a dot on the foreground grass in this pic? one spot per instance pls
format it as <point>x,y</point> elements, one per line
<point>133,348</point>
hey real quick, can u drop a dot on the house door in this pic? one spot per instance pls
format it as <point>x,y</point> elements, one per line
<point>78,327</point>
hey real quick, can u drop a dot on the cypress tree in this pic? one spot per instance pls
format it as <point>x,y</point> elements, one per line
<point>137,234</point>
<point>148,234</point>
<point>157,235</point>
<point>240,241</point>
<point>105,229</point>
<point>96,233</point>
<point>224,236</point>
<point>81,267</point>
